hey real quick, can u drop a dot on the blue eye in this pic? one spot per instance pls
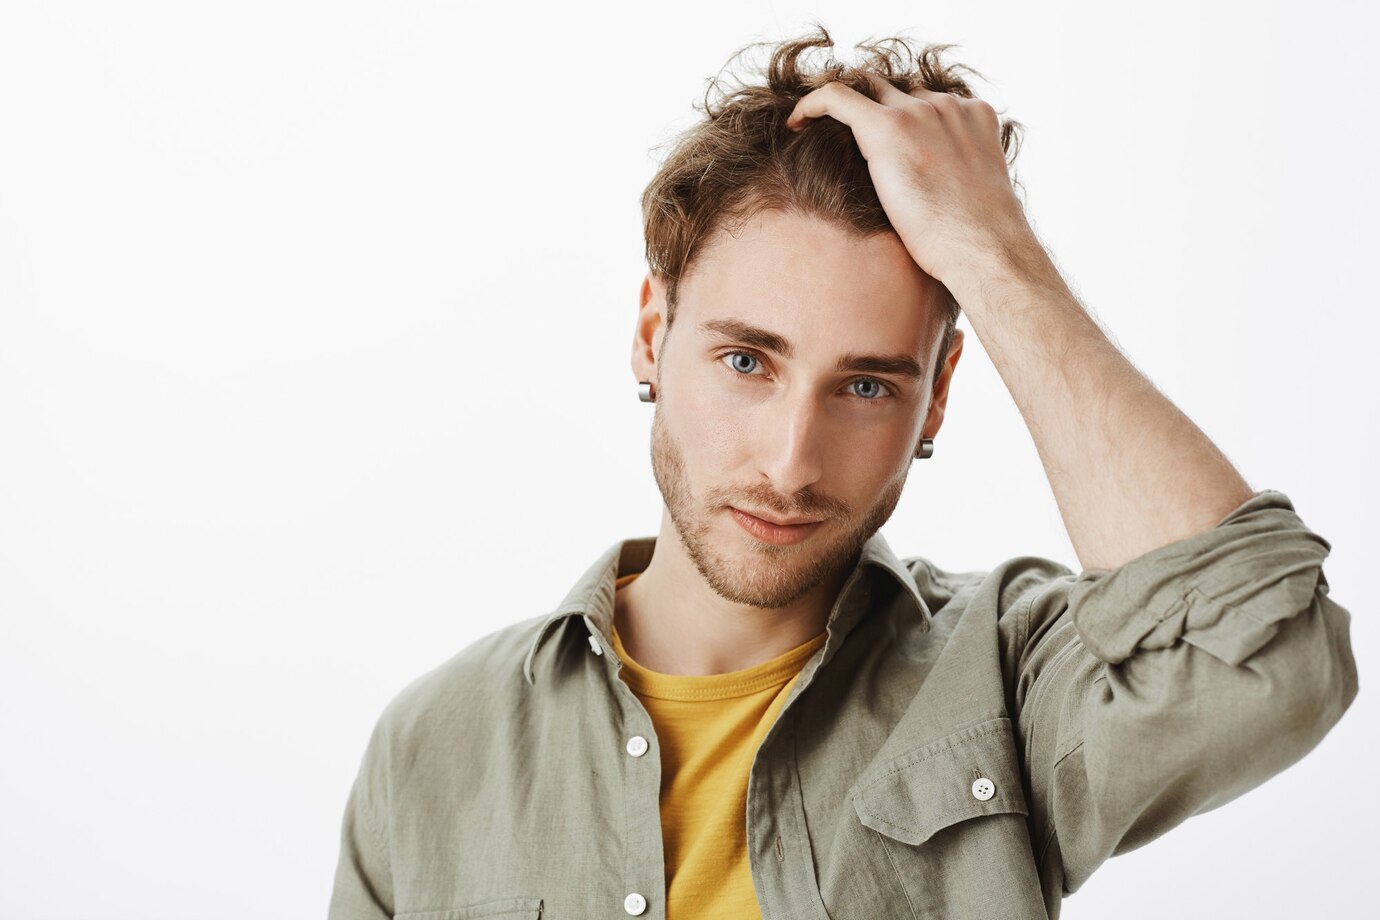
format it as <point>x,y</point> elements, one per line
<point>743,363</point>
<point>744,355</point>
<point>876,385</point>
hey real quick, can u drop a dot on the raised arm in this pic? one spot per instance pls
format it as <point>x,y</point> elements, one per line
<point>1129,471</point>
<point>1198,653</point>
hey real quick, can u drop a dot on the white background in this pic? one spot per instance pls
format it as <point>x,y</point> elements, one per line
<point>315,323</point>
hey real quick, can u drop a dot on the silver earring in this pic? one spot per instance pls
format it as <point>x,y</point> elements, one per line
<point>646,391</point>
<point>926,449</point>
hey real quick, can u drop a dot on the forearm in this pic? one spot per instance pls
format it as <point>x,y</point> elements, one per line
<point>1130,472</point>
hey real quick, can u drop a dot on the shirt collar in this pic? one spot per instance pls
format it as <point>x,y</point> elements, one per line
<point>593,594</point>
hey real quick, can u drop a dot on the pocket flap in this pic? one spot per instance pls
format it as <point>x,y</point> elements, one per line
<point>916,794</point>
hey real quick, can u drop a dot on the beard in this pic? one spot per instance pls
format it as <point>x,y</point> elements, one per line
<point>762,575</point>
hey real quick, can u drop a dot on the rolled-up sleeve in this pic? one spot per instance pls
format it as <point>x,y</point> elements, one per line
<point>363,888</point>
<point>1170,685</point>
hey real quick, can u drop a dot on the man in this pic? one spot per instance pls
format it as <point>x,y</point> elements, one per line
<point>762,711</point>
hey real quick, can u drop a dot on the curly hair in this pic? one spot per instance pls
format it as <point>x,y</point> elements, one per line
<point>741,159</point>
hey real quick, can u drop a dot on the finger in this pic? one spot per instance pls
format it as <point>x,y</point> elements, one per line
<point>887,92</point>
<point>837,100</point>
<point>929,95</point>
<point>943,102</point>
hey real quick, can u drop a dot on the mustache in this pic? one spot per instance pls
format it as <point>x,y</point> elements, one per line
<point>806,504</point>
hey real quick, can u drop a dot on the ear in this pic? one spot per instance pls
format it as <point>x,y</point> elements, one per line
<point>935,417</point>
<point>651,313</point>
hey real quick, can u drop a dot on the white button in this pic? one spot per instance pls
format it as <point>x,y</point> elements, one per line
<point>634,904</point>
<point>594,644</point>
<point>983,789</point>
<point>637,746</point>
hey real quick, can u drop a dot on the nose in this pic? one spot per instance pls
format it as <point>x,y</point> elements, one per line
<point>792,443</point>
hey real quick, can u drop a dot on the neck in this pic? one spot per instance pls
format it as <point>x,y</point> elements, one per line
<point>672,622</point>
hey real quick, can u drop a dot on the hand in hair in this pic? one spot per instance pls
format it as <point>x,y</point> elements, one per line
<point>937,163</point>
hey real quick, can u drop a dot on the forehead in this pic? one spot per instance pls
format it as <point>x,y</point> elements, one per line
<point>820,285</point>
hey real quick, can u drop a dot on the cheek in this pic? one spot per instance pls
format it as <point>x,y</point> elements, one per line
<point>713,430</point>
<point>869,463</point>
<point>711,420</point>
<point>863,473</point>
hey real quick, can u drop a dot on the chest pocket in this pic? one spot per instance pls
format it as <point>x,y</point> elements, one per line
<point>974,771</point>
<point>505,909</point>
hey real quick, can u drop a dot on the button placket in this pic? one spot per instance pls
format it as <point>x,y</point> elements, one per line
<point>644,858</point>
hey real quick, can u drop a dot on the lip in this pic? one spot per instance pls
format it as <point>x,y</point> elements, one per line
<point>778,534</point>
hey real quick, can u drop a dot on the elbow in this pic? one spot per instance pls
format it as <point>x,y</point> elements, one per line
<point>1307,676</point>
<point>1335,682</point>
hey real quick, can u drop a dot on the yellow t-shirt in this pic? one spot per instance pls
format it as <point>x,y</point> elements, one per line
<point>709,728</point>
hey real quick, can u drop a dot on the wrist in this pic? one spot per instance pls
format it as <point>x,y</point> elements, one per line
<point>1005,270</point>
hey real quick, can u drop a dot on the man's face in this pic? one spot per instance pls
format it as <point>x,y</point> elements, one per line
<point>739,423</point>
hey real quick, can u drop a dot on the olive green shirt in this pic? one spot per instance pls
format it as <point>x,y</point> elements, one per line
<point>963,745</point>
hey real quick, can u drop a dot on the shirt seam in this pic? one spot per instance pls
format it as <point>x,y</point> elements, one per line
<point>900,879</point>
<point>1027,605</point>
<point>1044,851</point>
<point>1226,609</point>
<point>905,764</point>
<point>813,894</point>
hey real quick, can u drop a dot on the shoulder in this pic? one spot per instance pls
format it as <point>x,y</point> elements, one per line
<point>467,690</point>
<point>1005,587</point>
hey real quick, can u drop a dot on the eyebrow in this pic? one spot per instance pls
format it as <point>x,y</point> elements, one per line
<point>765,339</point>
